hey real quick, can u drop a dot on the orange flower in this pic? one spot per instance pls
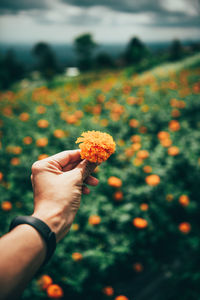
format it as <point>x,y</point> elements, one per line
<point>6,205</point>
<point>75,227</point>
<point>135,138</point>
<point>121,297</point>
<point>133,123</point>
<point>94,220</point>
<point>1,176</point>
<point>96,146</point>
<point>166,142</point>
<point>173,151</point>
<point>174,125</point>
<point>152,180</point>
<point>42,123</point>
<point>184,200</point>
<point>184,227</point>
<point>24,116</point>
<point>118,196</point>
<point>147,169</point>
<point>114,182</point>
<point>136,146</point>
<point>108,291</point>
<point>169,197</point>
<point>144,206</point>
<point>72,119</point>
<point>42,142</point>
<point>143,154</point>
<point>59,133</point>
<point>162,135</point>
<point>40,109</point>
<point>42,156</point>
<point>54,291</point>
<point>138,267</point>
<point>143,129</point>
<point>15,161</point>
<point>140,223</point>
<point>76,256</point>
<point>16,150</point>
<point>175,113</point>
<point>137,162</point>
<point>27,140</point>
<point>45,281</point>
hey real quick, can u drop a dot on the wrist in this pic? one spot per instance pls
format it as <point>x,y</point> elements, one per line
<point>53,219</point>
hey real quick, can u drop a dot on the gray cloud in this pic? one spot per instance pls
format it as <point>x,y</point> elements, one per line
<point>16,6</point>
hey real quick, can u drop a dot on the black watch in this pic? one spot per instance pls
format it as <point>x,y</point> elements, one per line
<point>44,230</point>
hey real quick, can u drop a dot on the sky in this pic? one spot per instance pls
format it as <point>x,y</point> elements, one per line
<point>109,21</point>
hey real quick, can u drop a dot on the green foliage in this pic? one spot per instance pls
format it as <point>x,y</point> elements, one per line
<point>111,249</point>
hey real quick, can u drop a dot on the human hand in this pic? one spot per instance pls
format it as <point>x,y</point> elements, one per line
<point>58,183</point>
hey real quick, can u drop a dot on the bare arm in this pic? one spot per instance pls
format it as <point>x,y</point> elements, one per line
<point>58,185</point>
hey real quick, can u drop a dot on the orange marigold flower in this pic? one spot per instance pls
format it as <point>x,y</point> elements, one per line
<point>42,123</point>
<point>59,133</point>
<point>143,154</point>
<point>135,138</point>
<point>15,161</point>
<point>174,125</point>
<point>121,297</point>
<point>24,116</point>
<point>140,223</point>
<point>147,169</point>
<point>96,146</point>
<point>138,267</point>
<point>166,142</point>
<point>152,180</point>
<point>54,291</point>
<point>76,256</point>
<point>136,146</point>
<point>45,281</point>
<point>72,119</point>
<point>6,205</point>
<point>40,109</point>
<point>42,156</point>
<point>184,200</point>
<point>175,113</point>
<point>1,176</point>
<point>163,135</point>
<point>133,123</point>
<point>108,291</point>
<point>184,227</point>
<point>144,206</point>
<point>114,182</point>
<point>169,197</point>
<point>42,142</point>
<point>16,150</point>
<point>118,195</point>
<point>75,227</point>
<point>173,151</point>
<point>27,140</point>
<point>94,220</point>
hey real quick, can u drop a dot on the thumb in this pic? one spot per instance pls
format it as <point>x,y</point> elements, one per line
<point>86,168</point>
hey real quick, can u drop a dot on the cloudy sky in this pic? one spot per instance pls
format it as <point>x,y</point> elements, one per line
<point>110,21</point>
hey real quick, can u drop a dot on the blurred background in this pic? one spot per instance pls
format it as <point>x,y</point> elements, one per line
<point>130,68</point>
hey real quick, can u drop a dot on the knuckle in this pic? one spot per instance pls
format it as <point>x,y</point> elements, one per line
<point>36,167</point>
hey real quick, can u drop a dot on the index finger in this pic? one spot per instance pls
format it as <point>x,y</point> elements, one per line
<point>65,157</point>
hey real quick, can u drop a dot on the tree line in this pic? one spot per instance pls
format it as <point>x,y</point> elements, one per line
<point>136,55</point>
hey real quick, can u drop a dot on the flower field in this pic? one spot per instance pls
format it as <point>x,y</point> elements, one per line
<point>141,224</point>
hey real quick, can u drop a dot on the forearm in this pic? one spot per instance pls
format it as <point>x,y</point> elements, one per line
<point>22,253</point>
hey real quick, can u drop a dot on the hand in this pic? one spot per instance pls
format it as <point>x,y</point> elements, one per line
<point>58,183</point>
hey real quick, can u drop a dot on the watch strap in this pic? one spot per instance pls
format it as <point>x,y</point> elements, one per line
<point>44,230</point>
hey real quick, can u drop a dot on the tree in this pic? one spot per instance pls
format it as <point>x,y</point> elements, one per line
<point>104,60</point>
<point>46,63</point>
<point>136,51</point>
<point>176,50</point>
<point>85,46</point>
<point>10,70</point>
